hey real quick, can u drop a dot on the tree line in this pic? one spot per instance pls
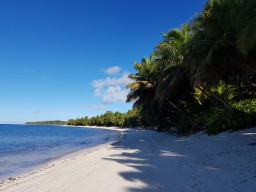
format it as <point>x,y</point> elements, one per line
<point>201,76</point>
<point>54,122</point>
<point>117,119</point>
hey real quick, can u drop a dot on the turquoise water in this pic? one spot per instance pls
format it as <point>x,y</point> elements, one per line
<point>23,147</point>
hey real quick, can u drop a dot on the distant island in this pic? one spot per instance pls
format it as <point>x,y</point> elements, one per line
<point>56,122</point>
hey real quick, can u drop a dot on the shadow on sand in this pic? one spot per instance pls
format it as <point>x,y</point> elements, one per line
<point>154,164</point>
<point>164,163</point>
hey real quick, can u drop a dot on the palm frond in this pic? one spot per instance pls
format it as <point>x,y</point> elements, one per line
<point>246,39</point>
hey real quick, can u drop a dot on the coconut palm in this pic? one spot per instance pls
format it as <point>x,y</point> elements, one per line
<point>142,90</point>
<point>171,50</point>
<point>218,46</point>
<point>223,41</point>
<point>174,86</point>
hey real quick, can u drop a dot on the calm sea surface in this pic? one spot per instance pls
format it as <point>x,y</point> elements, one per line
<point>24,147</point>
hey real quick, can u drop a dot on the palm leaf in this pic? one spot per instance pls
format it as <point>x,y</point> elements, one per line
<point>246,40</point>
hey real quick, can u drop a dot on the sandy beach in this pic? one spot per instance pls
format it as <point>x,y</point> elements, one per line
<point>144,161</point>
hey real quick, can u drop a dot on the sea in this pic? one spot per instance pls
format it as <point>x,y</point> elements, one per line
<point>26,147</point>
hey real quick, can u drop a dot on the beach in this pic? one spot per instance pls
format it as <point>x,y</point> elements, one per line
<point>145,161</point>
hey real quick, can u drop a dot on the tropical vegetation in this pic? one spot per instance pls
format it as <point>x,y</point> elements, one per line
<point>117,119</point>
<point>55,122</point>
<point>200,77</point>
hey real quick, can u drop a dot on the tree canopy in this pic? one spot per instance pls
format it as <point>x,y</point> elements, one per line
<point>201,76</point>
<point>205,67</point>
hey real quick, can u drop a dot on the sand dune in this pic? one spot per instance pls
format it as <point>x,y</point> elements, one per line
<point>149,161</point>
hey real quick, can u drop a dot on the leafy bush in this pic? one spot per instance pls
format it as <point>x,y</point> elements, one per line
<point>220,120</point>
<point>186,125</point>
<point>246,105</point>
<point>226,91</point>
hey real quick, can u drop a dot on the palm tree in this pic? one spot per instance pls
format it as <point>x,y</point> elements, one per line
<point>171,50</point>
<point>142,90</point>
<point>173,87</point>
<point>218,46</point>
<point>223,41</point>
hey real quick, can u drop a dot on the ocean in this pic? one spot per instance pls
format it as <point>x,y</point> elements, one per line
<point>25,147</point>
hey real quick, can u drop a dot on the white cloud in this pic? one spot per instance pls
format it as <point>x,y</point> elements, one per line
<point>112,90</point>
<point>114,94</point>
<point>113,70</point>
<point>98,92</point>
<point>122,81</point>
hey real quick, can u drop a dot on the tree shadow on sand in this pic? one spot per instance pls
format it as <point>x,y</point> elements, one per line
<point>165,163</point>
<point>151,159</point>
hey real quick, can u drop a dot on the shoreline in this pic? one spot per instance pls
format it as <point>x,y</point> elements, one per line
<point>150,161</point>
<point>66,155</point>
<point>90,149</point>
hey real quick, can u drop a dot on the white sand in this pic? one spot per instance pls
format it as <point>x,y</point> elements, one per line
<point>149,161</point>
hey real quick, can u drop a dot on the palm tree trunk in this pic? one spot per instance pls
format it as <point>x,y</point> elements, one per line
<point>225,104</point>
<point>184,113</point>
<point>209,93</point>
<point>238,85</point>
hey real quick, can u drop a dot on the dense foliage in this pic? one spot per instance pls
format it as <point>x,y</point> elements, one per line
<point>200,77</point>
<point>117,119</point>
<point>56,122</point>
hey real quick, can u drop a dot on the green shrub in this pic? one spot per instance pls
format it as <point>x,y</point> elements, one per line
<point>220,120</point>
<point>246,105</point>
<point>186,125</point>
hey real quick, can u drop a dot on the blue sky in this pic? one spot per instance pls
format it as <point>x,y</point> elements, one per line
<point>70,58</point>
